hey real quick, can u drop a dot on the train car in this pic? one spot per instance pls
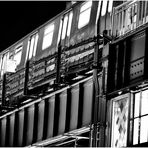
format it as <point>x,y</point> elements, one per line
<point>40,62</point>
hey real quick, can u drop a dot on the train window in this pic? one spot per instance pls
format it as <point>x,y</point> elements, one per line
<point>84,16</point>
<point>48,35</point>
<point>104,6</point>
<point>98,11</point>
<point>17,54</point>
<point>64,26</point>
<point>69,23</point>
<point>110,5</point>
<point>5,57</point>
<point>32,46</point>
<point>59,35</point>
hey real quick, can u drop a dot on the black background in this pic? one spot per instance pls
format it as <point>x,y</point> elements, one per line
<point>18,18</point>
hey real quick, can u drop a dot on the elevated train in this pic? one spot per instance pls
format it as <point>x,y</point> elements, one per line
<point>73,31</point>
<point>60,51</point>
<point>53,69</point>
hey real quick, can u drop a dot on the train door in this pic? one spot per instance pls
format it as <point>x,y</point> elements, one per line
<point>65,28</point>
<point>32,46</point>
<point>104,12</point>
<point>63,41</point>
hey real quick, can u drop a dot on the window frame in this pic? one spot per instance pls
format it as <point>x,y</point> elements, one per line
<point>83,12</point>
<point>18,49</point>
<point>48,35</point>
<point>31,53</point>
<point>139,117</point>
<point>4,58</point>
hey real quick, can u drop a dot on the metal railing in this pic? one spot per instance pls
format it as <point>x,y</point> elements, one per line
<point>129,16</point>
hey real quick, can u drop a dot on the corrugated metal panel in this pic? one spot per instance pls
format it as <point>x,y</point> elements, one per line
<point>62,113</point>
<point>50,116</point>
<point>3,131</point>
<point>11,129</point>
<point>29,125</point>
<point>19,128</point>
<point>87,103</point>
<point>53,115</point>
<point>40,122</point>
<point>74,107</point>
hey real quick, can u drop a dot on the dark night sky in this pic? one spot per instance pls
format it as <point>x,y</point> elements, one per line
<point>18,18</point>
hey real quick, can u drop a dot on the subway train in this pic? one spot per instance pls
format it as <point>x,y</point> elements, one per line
<point>52,68</point>
<point>56,52</point>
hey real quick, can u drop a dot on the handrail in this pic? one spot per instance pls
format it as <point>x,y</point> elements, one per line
<point>128,17</point>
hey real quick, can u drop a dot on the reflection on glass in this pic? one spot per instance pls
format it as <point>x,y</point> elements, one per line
<point>131,109</point>
<point>137,103</point>
<point>119,123</point>
<point>144,129</point>
<point>144,103</point>
<point>135,134</point>
<point>84,14</point>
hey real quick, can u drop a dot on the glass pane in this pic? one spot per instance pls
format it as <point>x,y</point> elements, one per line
<point>27,53</point>
<point>131,108</point>
<point>98,11</point>
<point>135,134</point>
<point>119,124</point>
<point>49,29</point>
<point>59,34</point>
<point>64,27</point>
<point>144,129</point>
<point>47,40</point>
<point>144,103</point>
<point>35,44</point>
<point>31,47</point>
<point>104,7</point>
<point>69,23</point>
<point>17,57</point>
<point>137,103</point>
<point>84,18</point>
<point>130,132</point>
<point>110,5</point>
<point>86,6</point>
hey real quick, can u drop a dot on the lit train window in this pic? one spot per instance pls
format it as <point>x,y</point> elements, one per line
<point>64,26</point>
<point>48,36</point>
<point>84,16</point>
<point>5,57</point>
<point>67,24</point>
<point>17,55</point>
<point>104,6</point>
<point>98,11</point>
<point>32,46</point>
<point>110,5</point>
<point>59,34</point>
